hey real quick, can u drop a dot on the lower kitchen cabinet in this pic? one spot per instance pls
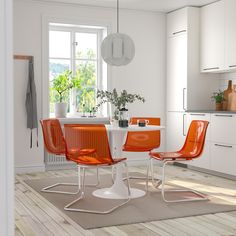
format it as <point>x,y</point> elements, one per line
<point>223,158</point>
<point>176,130</point>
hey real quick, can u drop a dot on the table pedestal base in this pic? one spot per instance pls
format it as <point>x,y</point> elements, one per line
<point>108,193</point>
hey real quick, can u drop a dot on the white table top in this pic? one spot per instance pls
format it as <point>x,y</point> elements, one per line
<point>131,128</point>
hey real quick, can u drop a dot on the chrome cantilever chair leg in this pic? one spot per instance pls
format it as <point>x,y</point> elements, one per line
<point>47,189</point>
<point>156,182</point>
<point>201,197</point>
<point>147,178</point>
<point>68,206</point>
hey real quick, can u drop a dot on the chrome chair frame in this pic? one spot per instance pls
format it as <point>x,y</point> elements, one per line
<point>162,182</point>
<point>47,189</point>
<point>82,190</point>
<point>149,164</point>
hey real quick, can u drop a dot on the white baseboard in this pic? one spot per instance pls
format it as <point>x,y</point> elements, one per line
<point>29,169</point>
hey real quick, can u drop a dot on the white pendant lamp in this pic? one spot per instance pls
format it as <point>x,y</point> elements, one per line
<point>117,49</point>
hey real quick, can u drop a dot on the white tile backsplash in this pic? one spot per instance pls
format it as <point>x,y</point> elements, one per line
<point>224,80</point>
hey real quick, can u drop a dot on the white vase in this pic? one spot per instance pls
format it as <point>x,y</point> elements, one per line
<point>60,109</point>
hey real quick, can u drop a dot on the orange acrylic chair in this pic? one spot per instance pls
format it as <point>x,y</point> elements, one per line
<point>144,141</point>
<point>90,136</point>
<point>54,143</point>
<point>191,150</point>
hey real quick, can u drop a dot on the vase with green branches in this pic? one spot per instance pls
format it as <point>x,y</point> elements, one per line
<point>118,100</point>
<point>61,85</point>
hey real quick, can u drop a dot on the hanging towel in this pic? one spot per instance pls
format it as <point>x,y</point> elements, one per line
<point>31,103</point>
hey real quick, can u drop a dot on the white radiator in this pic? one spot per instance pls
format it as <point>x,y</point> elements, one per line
<point>55,162</point>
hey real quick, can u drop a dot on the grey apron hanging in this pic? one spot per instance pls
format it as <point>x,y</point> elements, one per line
<point>31,103</point>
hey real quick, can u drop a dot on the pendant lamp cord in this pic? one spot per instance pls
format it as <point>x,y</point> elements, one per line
<point>117,16</point>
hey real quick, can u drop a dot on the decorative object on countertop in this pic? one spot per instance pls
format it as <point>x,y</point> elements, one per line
<point>232,99</point>
<point>119,101</point>
<point>218,98</point>
<point>226,93</point>
<point>62,84</point>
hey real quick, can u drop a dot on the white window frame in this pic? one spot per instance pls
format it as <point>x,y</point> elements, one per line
<point>106,83</point>
<point>73,30</point>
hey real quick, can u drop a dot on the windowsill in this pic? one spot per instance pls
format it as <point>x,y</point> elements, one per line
<point>74,118</point>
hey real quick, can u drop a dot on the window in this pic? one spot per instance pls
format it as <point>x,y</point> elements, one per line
<point>75,48</point>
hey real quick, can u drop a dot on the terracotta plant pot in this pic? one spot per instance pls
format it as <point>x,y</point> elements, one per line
<point>219,106</point>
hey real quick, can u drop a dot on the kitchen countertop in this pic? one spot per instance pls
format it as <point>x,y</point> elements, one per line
<point>211,111</point>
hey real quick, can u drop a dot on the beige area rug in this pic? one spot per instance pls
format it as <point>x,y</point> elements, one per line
<point>151,207</point>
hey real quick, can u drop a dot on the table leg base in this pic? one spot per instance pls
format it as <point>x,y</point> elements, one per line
<point>109,194</point>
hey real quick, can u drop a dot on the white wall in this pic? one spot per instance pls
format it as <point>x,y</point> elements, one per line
<point>6,121</point>
<point>144,75</point>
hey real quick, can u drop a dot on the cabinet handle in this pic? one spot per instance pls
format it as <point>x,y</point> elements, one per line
<point>213,68</point>
<point>232,66</point>
<point>184,124</point>
<point>197,114</point>
<point>184,89</point>
<point>178,32</point>
<point>224,115</point>
<point>226,146</point>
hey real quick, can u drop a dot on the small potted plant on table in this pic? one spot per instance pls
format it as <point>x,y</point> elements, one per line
<point>218,97</point>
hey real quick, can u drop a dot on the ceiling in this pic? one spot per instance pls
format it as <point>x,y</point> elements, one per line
<point>149,5</point>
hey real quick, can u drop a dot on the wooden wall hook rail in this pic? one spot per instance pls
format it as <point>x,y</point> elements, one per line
<point>23,57</point>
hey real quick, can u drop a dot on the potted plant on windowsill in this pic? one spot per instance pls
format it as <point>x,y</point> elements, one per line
<point>119,101</point>
<point>62,84</point>
<point>218,97</point>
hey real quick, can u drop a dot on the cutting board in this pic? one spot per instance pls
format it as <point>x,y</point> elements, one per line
<point>232,100</point>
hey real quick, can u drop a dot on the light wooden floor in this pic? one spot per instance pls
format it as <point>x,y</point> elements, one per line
<point>35,216</point>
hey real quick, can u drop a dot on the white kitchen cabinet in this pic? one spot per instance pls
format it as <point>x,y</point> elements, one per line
<point>230,34</point>
<point>223,158</point>
<point>177,72</point>
<point>203,161</point>
<point>176,22</point>
<point>212,37</point>
<point>176,129</point>
<point>187,88</point>
<point>223,128</point>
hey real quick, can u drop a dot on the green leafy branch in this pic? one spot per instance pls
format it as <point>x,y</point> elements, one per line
<point>64,82</point>
<point>118,100</point>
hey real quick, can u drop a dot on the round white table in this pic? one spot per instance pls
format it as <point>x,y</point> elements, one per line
<point>119,190</point>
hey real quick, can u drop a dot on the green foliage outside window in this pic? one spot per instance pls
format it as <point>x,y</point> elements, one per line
<point>84,82</point>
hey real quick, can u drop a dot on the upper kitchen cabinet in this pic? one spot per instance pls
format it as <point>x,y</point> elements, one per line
<point>230,34</point>
<point>218,36</point>
<point>177,22</point>
<point>212,37</point>
<point>187,88</point>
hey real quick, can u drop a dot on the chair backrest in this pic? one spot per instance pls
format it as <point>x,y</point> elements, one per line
<point>143,141</point>
<point>195,139</point>
<point>53,136</point>
<point>87,136</point>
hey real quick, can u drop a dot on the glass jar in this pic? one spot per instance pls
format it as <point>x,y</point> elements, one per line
<point>123,118</point>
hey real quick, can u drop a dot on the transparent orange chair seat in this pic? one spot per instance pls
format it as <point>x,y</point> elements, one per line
<point>86,137</point>
<point>54,139</point>
<point>193,145</point>
<point>143,141</point>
